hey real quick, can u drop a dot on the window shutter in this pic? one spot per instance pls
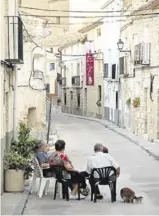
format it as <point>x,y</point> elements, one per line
<point>106,70</point>
<point>146,54</point>
<point>121,65</point>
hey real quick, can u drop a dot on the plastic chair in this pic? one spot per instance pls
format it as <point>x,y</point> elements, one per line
<point>64,182</point>
<point>44,181</point>
<point>106,176</point>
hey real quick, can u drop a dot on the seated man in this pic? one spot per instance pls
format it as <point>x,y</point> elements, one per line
<point>60,158</point>
<point>99,160</point>
<point>43,159</point>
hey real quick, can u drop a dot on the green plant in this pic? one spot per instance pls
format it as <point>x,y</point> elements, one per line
<point>128,101</point>
<point>136,102</point>
<point>24,147</point>
<point>15,161</point>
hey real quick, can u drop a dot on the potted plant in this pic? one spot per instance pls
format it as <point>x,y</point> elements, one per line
<point>24,147</point>
<point>128,102</point>
<point>14,166</point>
<point>136,102</point>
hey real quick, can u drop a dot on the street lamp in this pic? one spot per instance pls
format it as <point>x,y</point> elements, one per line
<point>120,45</point>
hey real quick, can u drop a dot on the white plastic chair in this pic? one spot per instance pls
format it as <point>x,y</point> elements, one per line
<point>44,182</point>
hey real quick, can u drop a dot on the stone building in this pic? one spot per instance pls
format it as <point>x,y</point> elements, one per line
<point>139,68</point>
<point>77,96</point>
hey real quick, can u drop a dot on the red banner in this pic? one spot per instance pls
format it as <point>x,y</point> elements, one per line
<point>89,69</point>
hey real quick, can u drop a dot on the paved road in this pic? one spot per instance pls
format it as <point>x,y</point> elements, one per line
<point>138,171</point>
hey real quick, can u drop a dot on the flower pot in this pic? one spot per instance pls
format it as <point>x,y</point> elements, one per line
<point>14,180</point>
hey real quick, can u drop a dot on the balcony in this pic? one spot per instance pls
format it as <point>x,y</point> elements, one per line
<point>14,40</point>
<point>76,81</point>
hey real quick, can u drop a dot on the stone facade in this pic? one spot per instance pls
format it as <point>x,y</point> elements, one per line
<point>143,80</point>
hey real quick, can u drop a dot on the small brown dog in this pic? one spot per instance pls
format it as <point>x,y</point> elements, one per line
<point>129,196</point>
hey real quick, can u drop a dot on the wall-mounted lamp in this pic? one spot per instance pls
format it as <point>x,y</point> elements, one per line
<point>120,45</point>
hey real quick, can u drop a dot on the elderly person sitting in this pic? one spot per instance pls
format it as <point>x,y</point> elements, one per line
<point>99,160</point>
<point>60,158</point>
<point>43,159</point>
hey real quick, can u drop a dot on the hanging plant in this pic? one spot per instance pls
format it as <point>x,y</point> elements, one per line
<point>128,101</point>
<point>136,102</point>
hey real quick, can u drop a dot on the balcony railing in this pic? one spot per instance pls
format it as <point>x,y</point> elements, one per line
<point>76,81</point>
<point>14,40</point>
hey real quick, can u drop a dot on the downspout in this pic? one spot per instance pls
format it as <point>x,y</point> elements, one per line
<point>14,103</point>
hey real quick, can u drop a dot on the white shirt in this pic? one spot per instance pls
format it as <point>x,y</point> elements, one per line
<point>99,160</point>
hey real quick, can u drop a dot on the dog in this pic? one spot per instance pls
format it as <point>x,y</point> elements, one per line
<point>128,196</point>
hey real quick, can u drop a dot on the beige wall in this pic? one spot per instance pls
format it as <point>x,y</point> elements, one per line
<point>57,29</point>
<point>6,92</point>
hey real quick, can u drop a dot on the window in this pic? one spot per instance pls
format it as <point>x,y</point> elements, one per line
<point>48,88</point>
<point>98,32</point>
<point>99,93</point>
<point>121,65</point>
<point>78,100</point>
<point>113,71</point>
<point>106,70</point>
<point>71,95</point>
<point>78,69</point>
<point>138,54</point>
<point>52,66</point>
<point>142,54</point>
<point>65,99</point>
<point>117,102</point>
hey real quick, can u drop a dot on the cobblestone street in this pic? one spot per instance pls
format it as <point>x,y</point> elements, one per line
<point>139,171</point>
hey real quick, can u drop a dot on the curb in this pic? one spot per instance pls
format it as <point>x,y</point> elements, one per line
<point>19,209</point>
<point>156,157</point>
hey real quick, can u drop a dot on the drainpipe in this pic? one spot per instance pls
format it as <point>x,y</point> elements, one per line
<point>14,11</point>
<point>15,103</point>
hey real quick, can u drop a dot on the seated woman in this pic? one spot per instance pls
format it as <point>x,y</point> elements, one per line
<point>60,158</point>
<point>43,159</point>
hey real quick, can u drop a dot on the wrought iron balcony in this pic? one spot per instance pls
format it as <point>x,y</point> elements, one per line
<point>14,40</point>
<point>76,81</point>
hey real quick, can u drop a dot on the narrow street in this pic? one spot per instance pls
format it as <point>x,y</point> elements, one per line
<point>139,171</point>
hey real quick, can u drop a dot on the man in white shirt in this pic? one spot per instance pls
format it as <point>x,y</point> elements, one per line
<point>99,160</point>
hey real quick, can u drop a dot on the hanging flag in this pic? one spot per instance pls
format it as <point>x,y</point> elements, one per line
<point>89,69</point>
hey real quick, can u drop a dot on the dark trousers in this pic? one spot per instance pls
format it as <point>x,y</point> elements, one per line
<point>92,184</point>
<point>78,177</point>
<point>49,172</point>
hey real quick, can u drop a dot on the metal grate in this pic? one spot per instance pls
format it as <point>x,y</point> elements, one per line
<point>14,40</point>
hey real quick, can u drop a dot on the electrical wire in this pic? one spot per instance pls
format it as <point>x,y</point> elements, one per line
<point>109,16</point>
<point>81,11</point>
<point>32,71</point>
<point>28,33</point>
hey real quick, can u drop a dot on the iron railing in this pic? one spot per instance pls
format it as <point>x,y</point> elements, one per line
<point>14,40</point>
